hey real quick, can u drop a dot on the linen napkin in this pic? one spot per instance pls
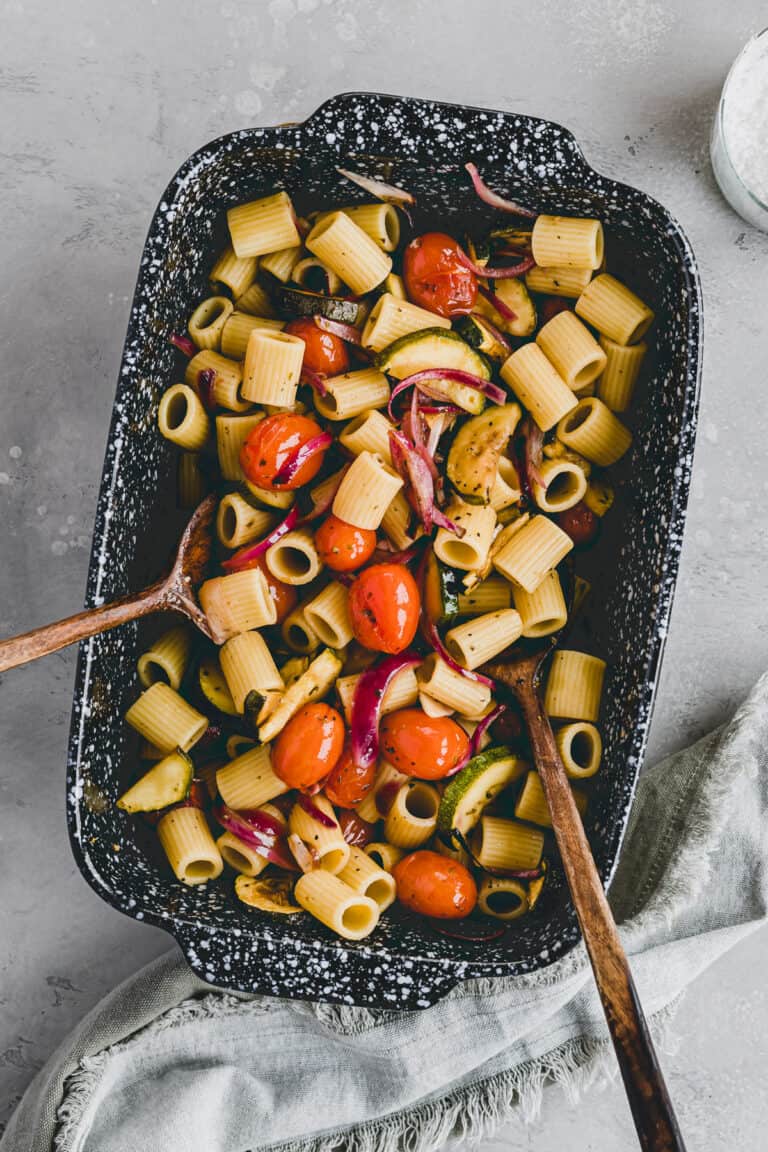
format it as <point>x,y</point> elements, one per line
<point>166,1063</point>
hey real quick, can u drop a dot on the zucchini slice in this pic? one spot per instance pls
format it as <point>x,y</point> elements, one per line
<point>441,591</point>
<point>294,302</point>
<point>474,788</point>
<point>473,458</point>
<point>515,295</point>
<point>267,893</point>
<point>214,687</point>
<point>313,685</point>
<point>437,348</point>
<point>166,783</point>
<point>473,329</point>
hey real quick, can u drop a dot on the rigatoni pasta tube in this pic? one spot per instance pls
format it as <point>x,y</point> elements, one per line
<point>328,615</point>
<point>313,275</point>
<point>270,498</point>
<point>248,781</point>
<point>385,855</point>
<point>581,749</point>
<point>501,843</point>
<point>165,719</point>
<point>532,552</point>
<point>567,242</point>
<point>599,496</point>
<point>240,856</point>
<point>238,328</point>
<point>256,300</point>
<point>264,225</point>
<point>482,637</point>
<point>335,904</point>
<point>191,481</point>
<point>572,349</point>
<point>352,393</point>
<point>231,434</point>
<point>470,550</point>
<point>207,321</point>
<point>248,667</point>
<point>379,221</point>
<point>458,692</point>
<point>401,692</point>
<point>396,522</point>
<point>614,310</point>
<point>182,418</point>
<point>272,367</point>
<point>532,803</point>
<point>167,659</point>
<point>568,282</point>
<point>488,596</point>
<point>227,379</point>
<point>189,846</point>
<point>238,602</point>
<point>387,780</point>
<point>506,489</point>
<point>349,251</point>
<point>293,559</point>
<point>234,272</point>
<point>366,491</point>
<point>574,686</point>
<point>281,264</point>
<point>434,708</point>
<point>502,897</point>
<point>298,634</point>
<point>565,484</point>
<point>392,317</point>
<point>328,844</point>
<point>368,432</point>
<point>544,611</point>
<point>537,385</point>
<point>364,875</point>
<point>412,817</point>
<point>616,386</point>
<point>593,431</point>
<point>238,522</point>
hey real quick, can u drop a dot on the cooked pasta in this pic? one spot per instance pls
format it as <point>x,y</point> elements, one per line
<point>599,496</point>
<point>396,522</point>
<point>191,481</point>
<point>310,273</point>
<point>297,633</point>
<point>532,804</point>
<point>567,242</point>
<point>412,817</point>
<point>272,367</point>
<point>366,491</point>
<point>191,849</point>
<point>470,550</point>
<point>501,843</point>
<point>165,719</point>
<point>383,854</point>
<point>238,521</point>
<point>506,489</point>
<point>572,350</point>
<point>532,552</point>
<point>450,688</point>
<point>256,301</point>
<point>207,321</point>
<point>293,559</point>
<point>368,432</point>
<point>580,748</point>
<point>237,330</point>
<point>502,897</point>
<point>327,845</point>
<point>282,263</point>
<point>231,434</point>
<point>537,385</point>
<point>240,856</point>
<point>616,386</point>
<point>225,390</point>
<point>392,317</point>
<point>565,485</point>
<point>166,661</point>
<point>483,637</point>
<point>349,251</point>
<point>395,286</point>
<point>379,221</point>
<point>614,310</point>
<point>593,430</point>
<point>544,611</point>
<point>387,781</point>
<point>248,667</point>
<point>248,781</point>
<point>265,225</point>
<point>182,418</point>
<point>328,615</point>
<point>353,393</point>
<point>490,595</point>
<point>568,282</point>
<point>574,685</point>
<point>433,708</point>
<point>365,876</point>
<point>234,272</point>
<point>238,602</point>
<point>401,692</point>
<point>335,904</point>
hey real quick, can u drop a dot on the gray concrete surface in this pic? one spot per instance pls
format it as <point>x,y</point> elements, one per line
<point>99,103</point>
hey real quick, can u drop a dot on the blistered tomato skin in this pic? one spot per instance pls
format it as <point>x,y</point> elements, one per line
<point>435,278</point>
<point>348,783</point>
<point>272,443</point>
<point>309,746</point>
<point>435,885</point>
<point>384,606</point>
<point>428,747</point>
<point>354,829</point>
<point>580,523</point>
<point>342,547</point>
<point>323,352</point>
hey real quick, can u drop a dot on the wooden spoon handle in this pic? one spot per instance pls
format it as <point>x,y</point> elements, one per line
<point>646,1090</point>
<point>42,641</point>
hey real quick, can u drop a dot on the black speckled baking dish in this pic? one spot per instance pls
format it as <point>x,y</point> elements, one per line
<point>423,147</point>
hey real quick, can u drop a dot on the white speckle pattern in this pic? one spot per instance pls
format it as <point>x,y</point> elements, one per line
<point>421,146</point>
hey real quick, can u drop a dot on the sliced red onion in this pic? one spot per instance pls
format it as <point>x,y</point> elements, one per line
<point>496,302</point>
<point>386,192</point>
<point>265,845</point>
<point>442,410</point>
<point>299,457</point>
<point>316,380</point>
<point>205,382</point>
<point>435,639</point>
<point>197,796</point>
<point>261,822</point>
<point>306,858</point>
<point>366,706</point>
<point>327,500</point>
<point>425,382</point>
<point>436,429</point>
<point>440,520</point>
<point>314,812</point>
<point>488,273</point>
<point>415,470</point>
<point>533,452</point>
<point>245,557</point>
<point>384,555</point>
<point>385,797</point>
<point>183,343</point>
<point>494,331</point>
<point>346,332</point>
<point>482,728</point>
<point>488,196</point>
<point>354,829</point>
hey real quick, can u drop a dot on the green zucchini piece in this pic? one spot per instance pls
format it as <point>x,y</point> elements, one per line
<point>473,329</point>
<point>214,686</point>
<point>166,783</point>
<point>293,668</point>
<point>514,237</point>
<point>473,458</point>
<point>479,251</point>
<point>515,295</point>
<point>293,302</point>
<point>478,783</point>
<point>437,348</point>
<point>441,591</point>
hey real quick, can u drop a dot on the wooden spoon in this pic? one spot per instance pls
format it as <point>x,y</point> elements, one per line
<point>649,1100</point>
<point>175,593</point>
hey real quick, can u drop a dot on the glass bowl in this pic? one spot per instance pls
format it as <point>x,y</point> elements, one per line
<point>736,191</point>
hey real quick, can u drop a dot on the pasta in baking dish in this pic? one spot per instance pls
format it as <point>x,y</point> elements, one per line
<point>409,433</point>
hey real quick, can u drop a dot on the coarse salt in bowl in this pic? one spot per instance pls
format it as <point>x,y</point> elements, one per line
<point>739,143</point>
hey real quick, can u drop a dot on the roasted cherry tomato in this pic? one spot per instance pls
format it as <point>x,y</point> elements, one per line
<point>348,784</point>
<point>342,547</point>
<point>323,351</point>
<point>384,606</point>
<point>309,746</point>
<point>420,745</point>
<point>354,829</point>
<point>435,278</point>
<point>435,885</point>
<point>552,305</point>
<point>580,523</point>
<point>284,595</point>
<point>272,443</point>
